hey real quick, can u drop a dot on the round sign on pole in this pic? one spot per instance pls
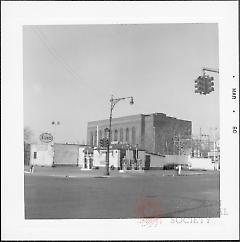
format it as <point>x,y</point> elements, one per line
<point>46,137</point>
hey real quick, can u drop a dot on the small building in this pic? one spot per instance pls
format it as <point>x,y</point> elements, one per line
<point>57,154</point>
<point>117,153</point>
<point>41,154</point>
<point>99,158</point>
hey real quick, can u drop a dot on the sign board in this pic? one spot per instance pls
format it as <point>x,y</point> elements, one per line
<point>46,137</point>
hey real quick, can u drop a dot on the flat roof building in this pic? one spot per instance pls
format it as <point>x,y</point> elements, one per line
<point>153,132</point>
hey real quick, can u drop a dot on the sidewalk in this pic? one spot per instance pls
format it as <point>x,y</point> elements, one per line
<point>73,172</point>
<point>76,172</point>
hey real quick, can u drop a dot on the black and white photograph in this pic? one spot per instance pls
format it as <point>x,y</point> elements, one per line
<point>121,122</point>
<point>151,149</point>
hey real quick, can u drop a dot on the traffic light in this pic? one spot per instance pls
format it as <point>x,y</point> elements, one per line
<point>106,143</point>
<point>200,85</point>
<point>101,143</point>
<point>197,90</point>
<point>204,84</point>
<point>209,85</point>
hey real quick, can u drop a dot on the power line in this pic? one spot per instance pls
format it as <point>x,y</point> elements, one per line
<point>61,60</point>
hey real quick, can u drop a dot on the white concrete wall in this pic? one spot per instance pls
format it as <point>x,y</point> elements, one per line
<point>157,161</point>
<point>99,158</point>
<point>201,163</point>
<point>195,163</point>
<point>44,154</point>
<point>81,156</point>
<point>129,154</point>
<point>177,159</point>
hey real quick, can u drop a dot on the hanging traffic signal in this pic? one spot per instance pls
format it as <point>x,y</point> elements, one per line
<point>209,85</point>
<point>197,90</point>
<point>200,85</point>
<point>204,84</point>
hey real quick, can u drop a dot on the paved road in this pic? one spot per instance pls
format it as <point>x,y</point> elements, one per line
<point>146,195</point>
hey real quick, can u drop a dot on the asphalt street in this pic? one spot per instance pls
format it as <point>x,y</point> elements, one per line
<point>140,196</point>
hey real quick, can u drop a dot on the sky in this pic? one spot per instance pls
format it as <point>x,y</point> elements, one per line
<point>71,71</point>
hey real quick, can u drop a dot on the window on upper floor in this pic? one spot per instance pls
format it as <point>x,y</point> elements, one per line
<point>115,135</point>
<point>127,135</point>
<point>121,135</point>
<point>133,136</point>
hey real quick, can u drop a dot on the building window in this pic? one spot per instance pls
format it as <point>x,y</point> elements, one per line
<point>100,134</point>
<point>133,136</point>
<point>115,135</point>
<point>91,139</point>
<point>121,135</point>
<point>127,135</point>
<point>34,155</point>
<point>105,133</point>
<point>95,138</point>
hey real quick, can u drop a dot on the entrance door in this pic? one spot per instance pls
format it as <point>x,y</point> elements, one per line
<point>147,162</point>
<point>122,154</point>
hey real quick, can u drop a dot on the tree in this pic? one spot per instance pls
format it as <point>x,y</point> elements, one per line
<point>28,134</point>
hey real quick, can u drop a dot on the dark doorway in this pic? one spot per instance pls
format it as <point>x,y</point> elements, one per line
<point>147,162</point>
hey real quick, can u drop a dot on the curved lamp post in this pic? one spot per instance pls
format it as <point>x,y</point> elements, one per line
<point>113,102</point>
<point>55,123</point>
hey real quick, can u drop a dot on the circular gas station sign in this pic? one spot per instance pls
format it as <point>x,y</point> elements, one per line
<point>46,137</point>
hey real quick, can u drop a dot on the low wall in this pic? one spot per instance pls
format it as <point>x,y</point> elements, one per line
<point>195,163</point>
<point>177,159</point>
<point>201,163</point>
<point>157,161</point>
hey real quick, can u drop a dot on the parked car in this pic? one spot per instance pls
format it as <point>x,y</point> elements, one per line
<point>186,167</point>
<point>170,166</point>
<point>112,167</point>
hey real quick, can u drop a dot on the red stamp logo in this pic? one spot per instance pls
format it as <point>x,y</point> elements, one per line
<point>148,209</point>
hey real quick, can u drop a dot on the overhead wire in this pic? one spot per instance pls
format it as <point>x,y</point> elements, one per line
<point>61,60</point>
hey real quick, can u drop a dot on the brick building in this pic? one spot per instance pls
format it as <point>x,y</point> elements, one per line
<point>154,132</point>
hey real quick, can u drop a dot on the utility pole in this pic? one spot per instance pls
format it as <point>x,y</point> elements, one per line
<point>200,142</point>
<point>113,102</point>
<point>97,137</point>
<point>214,147</point>
<point>179,144</point>
<point>173,150</point>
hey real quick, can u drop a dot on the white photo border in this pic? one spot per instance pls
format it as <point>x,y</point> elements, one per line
<point>15,14</point>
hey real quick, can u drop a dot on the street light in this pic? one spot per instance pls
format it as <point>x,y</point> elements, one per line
<point>55,123</point>
<point>113,102</point>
